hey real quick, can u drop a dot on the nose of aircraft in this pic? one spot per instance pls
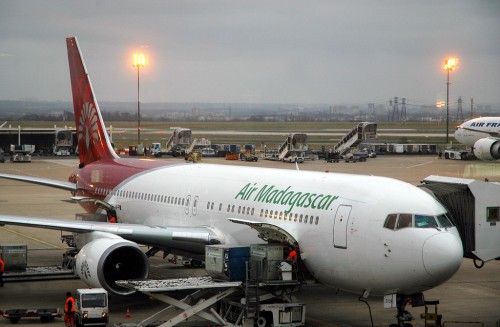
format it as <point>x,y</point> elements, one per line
<point>442,255</point>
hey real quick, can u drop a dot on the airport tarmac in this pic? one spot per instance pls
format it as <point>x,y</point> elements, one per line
<point>471,295</point>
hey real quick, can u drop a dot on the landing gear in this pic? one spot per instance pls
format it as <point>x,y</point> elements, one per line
<point>403,315</point>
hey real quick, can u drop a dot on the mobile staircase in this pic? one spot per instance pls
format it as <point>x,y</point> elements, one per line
<point>361,132</point>
<point>180,139</point>
<point>293,144</point>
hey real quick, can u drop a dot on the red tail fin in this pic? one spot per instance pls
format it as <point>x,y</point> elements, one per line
<point>93,141</point>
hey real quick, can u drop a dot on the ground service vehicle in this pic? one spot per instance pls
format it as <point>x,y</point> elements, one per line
<point>248,157</point>
<point>455,154</point>
<point>91,306</point>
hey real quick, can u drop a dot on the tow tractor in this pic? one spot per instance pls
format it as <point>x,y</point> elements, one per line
<point>455,154</point>
<point>91,307</point>
<point>21,153</point>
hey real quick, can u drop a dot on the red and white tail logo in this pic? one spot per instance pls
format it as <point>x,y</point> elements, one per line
<point>93,141</point>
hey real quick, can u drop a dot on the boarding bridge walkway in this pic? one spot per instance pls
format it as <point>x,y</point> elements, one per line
<point>474,208</point>
<point>361,132</point>
<point>293,143</point>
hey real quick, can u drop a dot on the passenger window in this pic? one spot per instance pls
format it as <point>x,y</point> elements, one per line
<point>390,221</point>
<point>300,219</point>
<point>317,219</point>
<point>295,219</point>
<point>281,215</point>
<point>220,206</point>
<point>228,207</point>
<point>305,219</point>
<point>267,214</point>
<point>425,221</point>
<point>252,211</point>
<point>405,220</point>
<point>208,205</point>
<point>232,208</point>
<point>248,210</point>
<point>261,212</point>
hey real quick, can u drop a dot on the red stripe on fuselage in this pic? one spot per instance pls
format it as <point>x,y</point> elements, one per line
<point>97,179</point>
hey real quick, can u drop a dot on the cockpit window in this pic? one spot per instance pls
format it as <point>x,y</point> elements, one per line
<point>405,220</point>
<point>390,221</point>
<point>444,221</point>
<point>425,221</point>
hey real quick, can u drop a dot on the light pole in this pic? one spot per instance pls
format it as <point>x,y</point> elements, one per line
<point>449,65</point>
<point>139,60</point>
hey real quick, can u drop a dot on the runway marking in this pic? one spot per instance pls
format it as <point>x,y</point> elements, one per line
<point>33,238</point>
<point>421,164</point>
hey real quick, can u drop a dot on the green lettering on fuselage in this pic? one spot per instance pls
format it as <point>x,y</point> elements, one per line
<point>285,196</point>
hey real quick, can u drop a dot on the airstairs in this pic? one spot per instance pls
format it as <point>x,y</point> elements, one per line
<point>293,143</point>
<point>361,132</point>
<point>180,138</point>
<point>197,143</point>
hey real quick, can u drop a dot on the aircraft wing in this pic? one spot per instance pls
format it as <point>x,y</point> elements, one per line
<point>68,186</point>
<point>147,235</point>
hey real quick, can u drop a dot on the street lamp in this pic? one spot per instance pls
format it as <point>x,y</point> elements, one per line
<point>449,65</point>
<point>139,60</point>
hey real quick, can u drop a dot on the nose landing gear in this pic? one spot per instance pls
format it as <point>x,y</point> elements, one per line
<point>404,316</point>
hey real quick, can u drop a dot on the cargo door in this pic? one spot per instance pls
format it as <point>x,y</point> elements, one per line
<point>340,227</point>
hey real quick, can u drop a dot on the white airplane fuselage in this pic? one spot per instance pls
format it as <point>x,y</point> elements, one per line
<point>337,219</point>
<point>483,135</point>
<point>473,130</point>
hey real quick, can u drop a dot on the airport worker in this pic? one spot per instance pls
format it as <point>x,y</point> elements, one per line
<point>292,255</point>
<point>69,310</point>
<point>2,269</point>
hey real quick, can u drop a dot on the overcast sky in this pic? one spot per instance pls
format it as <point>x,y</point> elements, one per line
<point>290,51</point>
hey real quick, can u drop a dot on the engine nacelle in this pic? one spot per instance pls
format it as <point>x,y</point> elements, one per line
<point>103,261</point>
<point>487,149</point>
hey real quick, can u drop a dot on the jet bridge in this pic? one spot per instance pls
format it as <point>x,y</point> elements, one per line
<point>474,207</point>
<point>361,132</point>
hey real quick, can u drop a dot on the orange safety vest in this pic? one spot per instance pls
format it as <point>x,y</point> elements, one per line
<point>69,306</point>
<point>2,266</point>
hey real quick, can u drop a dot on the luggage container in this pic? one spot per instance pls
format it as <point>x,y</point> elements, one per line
<point>14,256</point>
<point>226,263</point>
<point>264,261</point>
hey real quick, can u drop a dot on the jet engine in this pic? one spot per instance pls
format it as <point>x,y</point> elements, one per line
<point>103,261</point>
<point>487,149</point>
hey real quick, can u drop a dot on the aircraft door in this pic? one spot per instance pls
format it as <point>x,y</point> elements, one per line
<point>340,224</point>
<point>188,201</point>
<point>194,209</point>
